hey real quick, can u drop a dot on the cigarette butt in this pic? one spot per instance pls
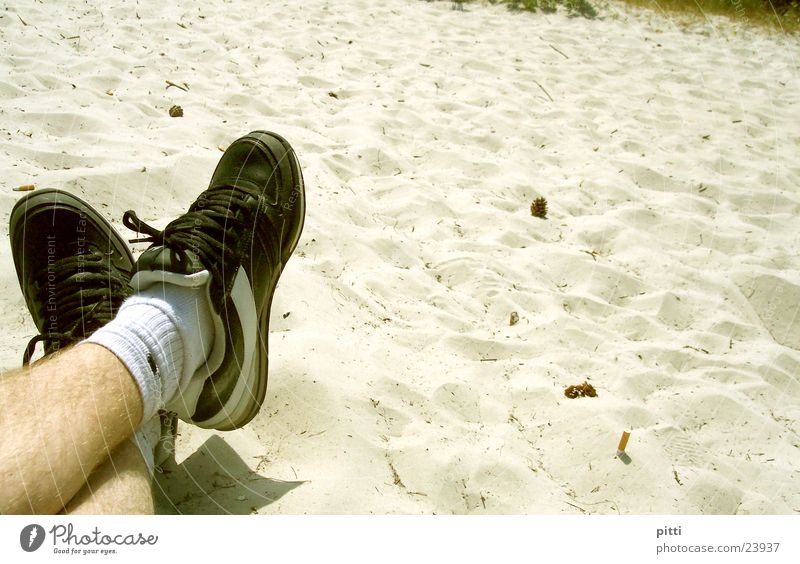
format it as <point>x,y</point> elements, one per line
<point>24,188</point>
<point>623,441</point>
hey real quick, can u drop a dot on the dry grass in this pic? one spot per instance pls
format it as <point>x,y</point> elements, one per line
<point>573,7</point>
<point>779,15</point>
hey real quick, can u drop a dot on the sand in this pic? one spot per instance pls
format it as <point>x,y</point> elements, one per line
<point>666,273</point>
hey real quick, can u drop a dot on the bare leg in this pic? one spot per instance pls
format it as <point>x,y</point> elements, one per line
<point>59,420</point>
<point>120,486</point>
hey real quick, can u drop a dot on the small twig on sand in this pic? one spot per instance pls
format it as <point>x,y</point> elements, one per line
<point>545,91</point>
<point>592,254</point>
<point>23,21</point>
<point>581,509</point>
<point>396,477</point>
<point>558,51</point>
<point>185,86</point>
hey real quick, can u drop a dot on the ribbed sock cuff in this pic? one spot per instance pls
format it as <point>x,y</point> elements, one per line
<point>145,338</point>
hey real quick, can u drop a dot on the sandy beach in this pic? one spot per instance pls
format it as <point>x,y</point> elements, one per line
<point>666,273</point>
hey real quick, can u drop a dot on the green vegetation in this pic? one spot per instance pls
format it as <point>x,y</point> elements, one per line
<point>781,15</point>
<point>573,7</point>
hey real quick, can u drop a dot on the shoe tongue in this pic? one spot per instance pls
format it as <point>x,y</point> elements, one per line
<point>164,258</point>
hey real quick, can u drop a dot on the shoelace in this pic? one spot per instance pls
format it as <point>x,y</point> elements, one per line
<point>83,293</point>
<point>210,229</point>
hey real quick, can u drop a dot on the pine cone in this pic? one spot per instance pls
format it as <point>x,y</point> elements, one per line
<point>539,208</point>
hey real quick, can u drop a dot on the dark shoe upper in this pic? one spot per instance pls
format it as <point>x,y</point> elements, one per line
<point>242,230</point>
<point>72,266</point>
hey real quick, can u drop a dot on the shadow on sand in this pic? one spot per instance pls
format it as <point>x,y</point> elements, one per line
<point>215,480</point>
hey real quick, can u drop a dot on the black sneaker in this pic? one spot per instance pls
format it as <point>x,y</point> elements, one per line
<point>239,232</point>
<point>72,265</point>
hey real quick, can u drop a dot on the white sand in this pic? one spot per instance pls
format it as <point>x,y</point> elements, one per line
<point>667,272</point>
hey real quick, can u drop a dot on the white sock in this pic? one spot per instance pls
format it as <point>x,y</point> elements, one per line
<point>166,327</point>
<point>155,439</point>
<point>146,438</point>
